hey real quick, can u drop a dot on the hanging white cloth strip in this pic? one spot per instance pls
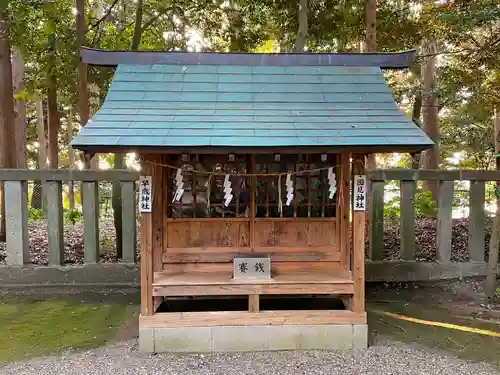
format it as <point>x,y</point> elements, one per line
<point>228,197</point>
<point>332,183</point>
<point>289,189</point>
<point>179,184</point>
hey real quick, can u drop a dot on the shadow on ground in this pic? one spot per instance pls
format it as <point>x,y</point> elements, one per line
<point>433,304</point>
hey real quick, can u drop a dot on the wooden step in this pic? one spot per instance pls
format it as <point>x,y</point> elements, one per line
<point>222,283</point>
<point>242,318</point>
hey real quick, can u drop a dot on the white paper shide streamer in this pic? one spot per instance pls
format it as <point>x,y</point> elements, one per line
<point>179,186</point>
<point>228,196</point>
<point>332,183</point>
<point>289,189</point>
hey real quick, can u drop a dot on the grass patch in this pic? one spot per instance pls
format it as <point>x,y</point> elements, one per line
<point>31,328</point>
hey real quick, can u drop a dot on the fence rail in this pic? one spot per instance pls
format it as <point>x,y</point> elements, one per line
<point>445,179</point>
<point>16,212</point>
<point>378,269</point>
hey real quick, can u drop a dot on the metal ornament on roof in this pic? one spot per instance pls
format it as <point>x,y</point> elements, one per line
<point>332,183</point>
<point>179,184</point>
<point>228,196</point>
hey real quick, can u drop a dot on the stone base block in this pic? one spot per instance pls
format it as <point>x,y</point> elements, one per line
<point>253,338</point>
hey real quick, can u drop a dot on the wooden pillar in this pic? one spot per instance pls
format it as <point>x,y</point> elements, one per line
<point>477,217</point>
<point>343,204</point>
<point>128,221</point>
<point>358,230</point>
<point>90,194</point>
<point>16,214</point>
<point>146,236</point>
<point>407,220</point>
<point>252,187</point>
<point>253,303</point>
<point>159,234</point>
<point>55,222</point>
<point>376,250</point>
<point>444,224</point>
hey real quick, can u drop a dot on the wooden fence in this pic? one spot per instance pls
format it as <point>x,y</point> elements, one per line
<point>407,268</point>
<point>16,212</point>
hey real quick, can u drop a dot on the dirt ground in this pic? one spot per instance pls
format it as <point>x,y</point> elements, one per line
<point>458,303</point>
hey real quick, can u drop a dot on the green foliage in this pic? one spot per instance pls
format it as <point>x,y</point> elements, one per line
<point>34,214</point>
<point>107,243</point>
<point>466,32</point>
<point>73,216</point>
<point>422,202</point>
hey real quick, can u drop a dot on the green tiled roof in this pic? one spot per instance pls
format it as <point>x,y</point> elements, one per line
<point>271,106</point>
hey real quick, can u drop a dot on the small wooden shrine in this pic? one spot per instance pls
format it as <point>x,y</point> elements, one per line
<point>253,182</point>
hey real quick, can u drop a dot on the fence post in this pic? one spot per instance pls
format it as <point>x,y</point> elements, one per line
<point>16,220</point>
<point>477,217</point>
<point>444,224</point>
<point>376,250</point>
<point>90,222</point>
<point>407,220</point>
<point>128,222</point>
<point>55,222</point>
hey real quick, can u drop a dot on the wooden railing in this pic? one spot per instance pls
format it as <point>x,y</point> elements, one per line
<point>16,212</point>
<point>445,182</point>
<point>378,268</point>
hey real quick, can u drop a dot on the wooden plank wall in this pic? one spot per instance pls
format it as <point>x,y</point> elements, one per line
<point>291,243</point>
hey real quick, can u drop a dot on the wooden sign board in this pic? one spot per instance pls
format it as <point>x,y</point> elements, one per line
<point>145,193</point>
<point>359,193</point>
<point>252,268</point>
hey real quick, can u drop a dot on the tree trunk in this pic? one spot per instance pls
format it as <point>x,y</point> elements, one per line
<point>415,117</point>
<point>37,196</point>
<point>491,277</point>
<point>301,40</point>
<point>71,161</point>
<point>6,108</point>
<point>119,158</point>
<point>53,112</point>
<point>83,83</point>
<point>370,46</point>
<point>136,37</point>
<point>430,158</point>
<point>20,157</point>
<point>371,26</point>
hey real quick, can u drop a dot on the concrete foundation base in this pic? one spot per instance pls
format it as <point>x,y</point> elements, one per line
<point>253,338</point>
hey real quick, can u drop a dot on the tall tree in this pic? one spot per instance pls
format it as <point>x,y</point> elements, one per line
<point>6,105</point>
<point>37,196</point>
<point>83,90</point>
<point>52,107</point>
<point>119,157</point>
<point>370,45</point>
<point>302,32</point>
<point>71,160</point>
<point>20,157</point>
<point>430,109</point>
<point>491,278</point>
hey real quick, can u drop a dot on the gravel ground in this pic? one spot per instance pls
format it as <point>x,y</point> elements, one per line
<point>384,359</point>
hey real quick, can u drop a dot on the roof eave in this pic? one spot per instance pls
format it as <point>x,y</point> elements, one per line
<point>144,149</point>
<point>384,60</point>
